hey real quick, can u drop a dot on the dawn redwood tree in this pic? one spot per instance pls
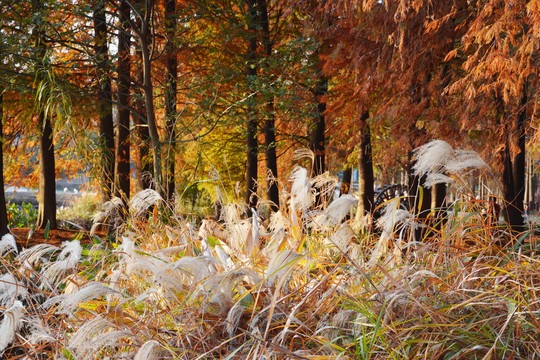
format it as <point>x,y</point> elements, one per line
<point>343,67</point>
<point>500,84</point>
<point>421,35</point>
<point>143,31</point>
<point>4,229</point>
<point>365,169</point>
<point>317,142</point>
<point>171,80</point>
<point>47,172</point>
<point>104,100</point>
<point>251,111</point>
<point>269,112</point>
<point>142,161</point>
<point>123,84</point>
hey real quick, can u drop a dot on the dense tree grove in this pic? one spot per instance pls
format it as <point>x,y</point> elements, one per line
<point>194,95</point>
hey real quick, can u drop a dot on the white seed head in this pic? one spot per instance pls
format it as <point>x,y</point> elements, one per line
<point>148,351</point>
<point>8,244</point>
<point>143,200</point>
<point>301,193</point>
<point>10,325</point>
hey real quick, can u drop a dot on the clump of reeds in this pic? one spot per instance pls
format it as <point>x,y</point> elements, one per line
<point>302,284</point>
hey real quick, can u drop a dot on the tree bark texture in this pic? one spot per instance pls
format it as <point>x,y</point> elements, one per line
<point>512,214</point>
<point>170,95</point>
<point>144,34</point>
<point>317,143</point>
<point>317,136</point>
<point>365,170</point>
<point>104,100</point>
<point>122,166</point>
<point>269,123</point>
<point>143,161</point>
<point>251,141</point>
<point>438,196</point>
<point>4,229</point>
<point>47,175</point>
<point>518,169</point>
<point>419,199</point>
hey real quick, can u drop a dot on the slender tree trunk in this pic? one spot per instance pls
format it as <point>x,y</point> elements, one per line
<point>512,214</point>
<point>251,141</point>
<point>518,168</point>
<point>143,162</point>
<point>513,177</point>
<point>317,143</point>
<point>4,229</point>
<point>104,100</point>
<point>47,175</point>
<point>365,170</point>
<point>317,136</point>
<point>438,196</point>
<point>144,35</point>
<point>419,199</point>
<point>170,94</point>
<point>269,123</point>
<point>271,157</point>
<point>122,166</point>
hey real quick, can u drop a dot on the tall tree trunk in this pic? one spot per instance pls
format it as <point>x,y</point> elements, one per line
<point>170,94</point>
<point>144,36</point>
<point>122,166</point>
<point>269,123</point>
<point>4,229</point>
<point>271,157</point>
<point>251,141</point>
<point>512,214</point>
<point>47,175</point>
<point>317,139</point>
<point>419,200</point>
<point>513,177</point>
<point>143,162</point>
<point>438,196</point>
<point>518,167</point>
<point>317,136</point>
<point>104,100</point>
<point>365,170</point>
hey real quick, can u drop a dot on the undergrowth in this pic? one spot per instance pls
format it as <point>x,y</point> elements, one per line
<point>24,215</point>
<point>307,283</point>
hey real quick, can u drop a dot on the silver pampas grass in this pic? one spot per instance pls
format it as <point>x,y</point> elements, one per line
<point>437,158</point>
<point>148,351</point>
<point>8,244</point>
<point>10,324</point>
<point>143,200</point>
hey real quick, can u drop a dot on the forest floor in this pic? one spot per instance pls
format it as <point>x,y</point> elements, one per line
<point>56,237</point>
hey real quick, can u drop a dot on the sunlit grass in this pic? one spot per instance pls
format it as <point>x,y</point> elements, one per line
<point>295,287</point>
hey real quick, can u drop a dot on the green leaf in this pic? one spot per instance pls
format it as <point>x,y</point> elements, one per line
<point>247,301</point>
<point>213,241</point>
<point>47,230</point>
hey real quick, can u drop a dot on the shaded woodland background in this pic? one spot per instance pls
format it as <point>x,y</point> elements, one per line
<point>206,100</point>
